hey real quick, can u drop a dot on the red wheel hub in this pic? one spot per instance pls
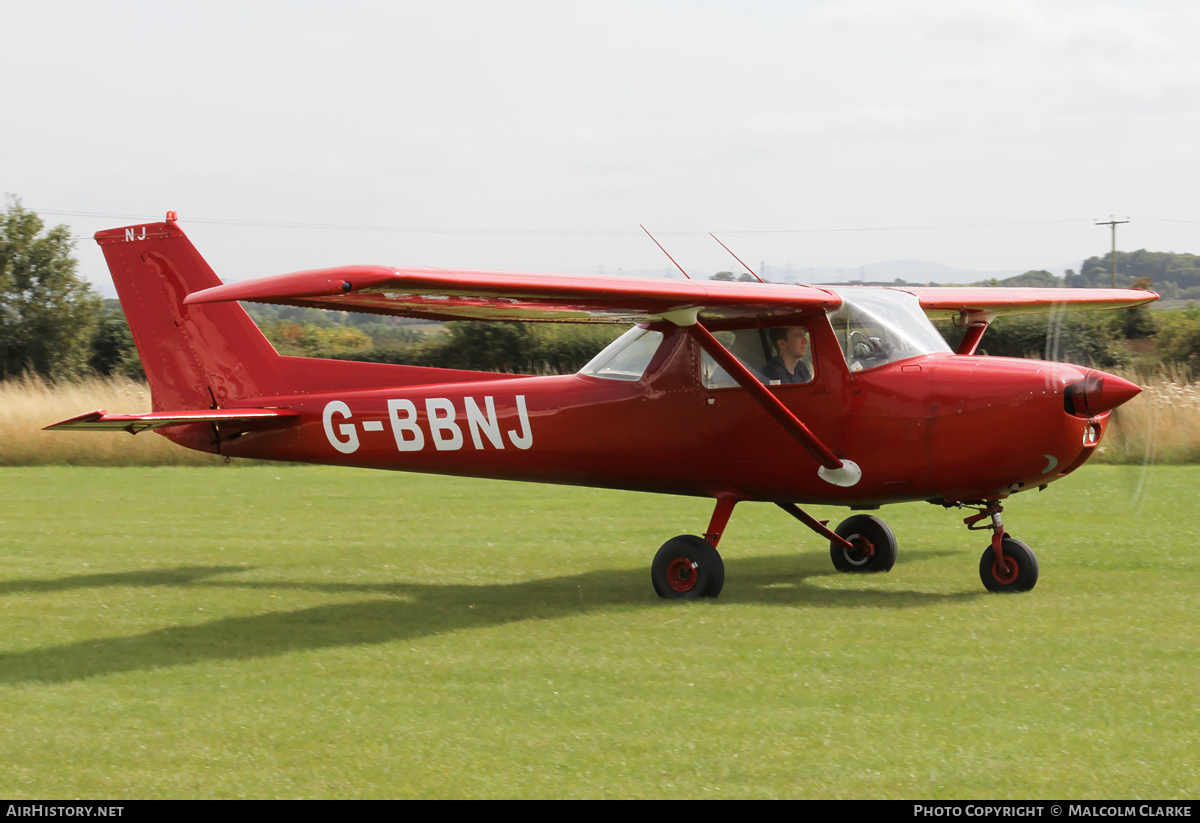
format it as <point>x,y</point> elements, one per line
<point>1006,574</point>
<point>861,550</point>
<point>681,574</point>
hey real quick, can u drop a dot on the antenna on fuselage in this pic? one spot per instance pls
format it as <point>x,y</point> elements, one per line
<point>735,257</point>
<point>664,251</point>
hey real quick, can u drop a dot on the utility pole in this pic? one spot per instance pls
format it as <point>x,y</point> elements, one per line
<point>1112,261</point>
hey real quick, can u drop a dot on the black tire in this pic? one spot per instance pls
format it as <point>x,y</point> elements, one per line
<point>1021,579</point>
<point>864,527</point>
<point>687,568</point>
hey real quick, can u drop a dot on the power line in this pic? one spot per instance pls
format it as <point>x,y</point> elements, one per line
<point>542,232</point>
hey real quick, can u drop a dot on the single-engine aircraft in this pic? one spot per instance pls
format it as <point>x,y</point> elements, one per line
<point>870,406</point>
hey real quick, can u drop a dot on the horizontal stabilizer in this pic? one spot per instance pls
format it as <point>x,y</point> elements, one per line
<point>100,420</point>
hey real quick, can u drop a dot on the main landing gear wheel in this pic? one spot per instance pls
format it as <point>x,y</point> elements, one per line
<point>687,568</point>
<point>874,545</point>
<point>1019,573</point>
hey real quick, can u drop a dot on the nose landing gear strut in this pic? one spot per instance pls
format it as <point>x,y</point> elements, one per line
<point>1008,565</point>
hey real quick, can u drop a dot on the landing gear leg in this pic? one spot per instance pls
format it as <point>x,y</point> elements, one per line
<point>1007,565</point>
<point>689,567</point>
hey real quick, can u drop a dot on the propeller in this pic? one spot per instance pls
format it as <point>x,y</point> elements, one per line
<point>1099,392</point>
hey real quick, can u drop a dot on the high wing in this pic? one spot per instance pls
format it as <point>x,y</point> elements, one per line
<point>100,420</point>
<point>445,294</point>
<point>954,301</point>
<point>441,294</point>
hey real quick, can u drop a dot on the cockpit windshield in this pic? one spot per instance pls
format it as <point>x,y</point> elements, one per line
<point>878,326</point>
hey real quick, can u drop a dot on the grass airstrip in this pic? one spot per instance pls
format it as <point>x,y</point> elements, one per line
<point>314,632</point>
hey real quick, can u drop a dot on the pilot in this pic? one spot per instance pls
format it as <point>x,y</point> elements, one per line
<point>788,366</point>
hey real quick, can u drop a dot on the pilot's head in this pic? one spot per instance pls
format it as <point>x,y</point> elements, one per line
<point>789,340</point>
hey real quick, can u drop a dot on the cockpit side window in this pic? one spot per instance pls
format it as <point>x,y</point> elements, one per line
<point>779,356</point>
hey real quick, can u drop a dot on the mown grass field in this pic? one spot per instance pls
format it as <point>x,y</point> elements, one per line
<point>317,632</point>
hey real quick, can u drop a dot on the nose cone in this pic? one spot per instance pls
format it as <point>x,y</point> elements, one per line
<point>1100,392</point>
<point>1113,392</point>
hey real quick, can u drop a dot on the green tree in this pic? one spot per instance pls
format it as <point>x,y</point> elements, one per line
<point>1138,323</point>
<point>1180,271</point>
<point>1179,337</point>
<point>310,340</point>
<point>1086,338</point>
<point>487,346</point>
<point>112,349</point>
<point>523,348</point>
<point>47,312</point>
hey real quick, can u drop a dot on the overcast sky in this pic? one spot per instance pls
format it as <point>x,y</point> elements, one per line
<point>595,117</point>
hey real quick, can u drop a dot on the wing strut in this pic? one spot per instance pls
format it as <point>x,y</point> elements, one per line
<point>833,470</point>
<point>977,323</point>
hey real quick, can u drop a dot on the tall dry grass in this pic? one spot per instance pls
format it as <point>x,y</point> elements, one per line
<point>29,403</point>
<point>1160,425</point>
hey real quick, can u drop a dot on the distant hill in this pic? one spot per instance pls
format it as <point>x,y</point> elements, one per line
<point>1040,279</point>
<point>913,272</point>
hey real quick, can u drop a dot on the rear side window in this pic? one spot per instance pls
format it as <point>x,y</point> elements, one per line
<point>627,357</point>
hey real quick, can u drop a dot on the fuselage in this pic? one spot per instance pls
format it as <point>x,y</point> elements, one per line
<point>931,426</point>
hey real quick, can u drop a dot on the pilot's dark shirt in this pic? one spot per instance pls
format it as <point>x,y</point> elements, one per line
<point>775,370</point>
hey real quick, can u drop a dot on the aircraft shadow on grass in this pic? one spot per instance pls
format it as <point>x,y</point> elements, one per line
<point>181,576</point>
<point>409,611</point>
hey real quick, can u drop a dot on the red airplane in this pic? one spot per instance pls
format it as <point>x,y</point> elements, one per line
<point>730,390</point>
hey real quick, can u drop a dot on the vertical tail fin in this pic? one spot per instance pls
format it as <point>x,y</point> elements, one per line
<point>197,357</point>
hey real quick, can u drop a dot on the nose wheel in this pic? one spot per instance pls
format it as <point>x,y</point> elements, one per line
<point>1008,565</point>
<point>1017,571</point>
